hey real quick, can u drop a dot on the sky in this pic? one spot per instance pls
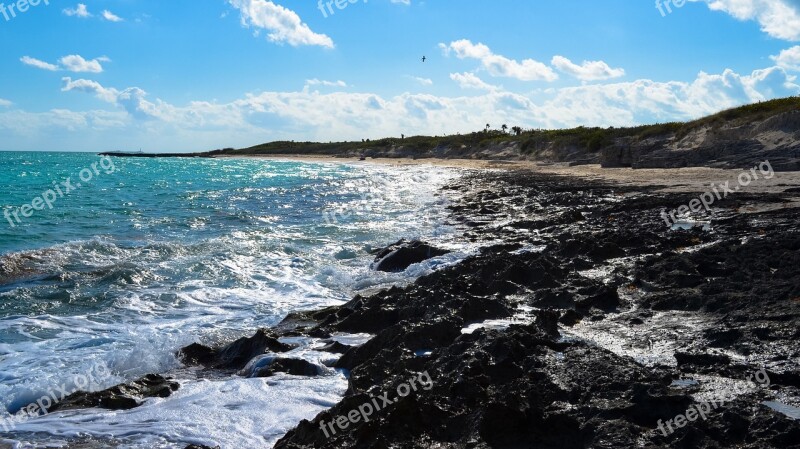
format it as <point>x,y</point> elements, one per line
<point>196,75</point>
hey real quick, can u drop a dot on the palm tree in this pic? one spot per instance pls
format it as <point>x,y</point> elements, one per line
<point>517,130</point>
<point>487,127</point>
<point>505,128</point>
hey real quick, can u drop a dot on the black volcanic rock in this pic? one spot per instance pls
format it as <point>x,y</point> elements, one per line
<point>734,290</point>
<point>336,347</point>
<point>697,362</point>
<point>196,354</point>
<point>296,367</point>
<point>400,255</point>
<point>234,356</point>
<point>525,386</point>
<point>120,397</point>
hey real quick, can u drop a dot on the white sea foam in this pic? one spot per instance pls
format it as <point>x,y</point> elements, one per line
<point>232,413</point>
<point>130,305</point>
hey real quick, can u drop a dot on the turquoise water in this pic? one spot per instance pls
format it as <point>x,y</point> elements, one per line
<point>144,256</point>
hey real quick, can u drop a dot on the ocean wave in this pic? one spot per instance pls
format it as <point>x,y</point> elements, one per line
<point>241,258</point>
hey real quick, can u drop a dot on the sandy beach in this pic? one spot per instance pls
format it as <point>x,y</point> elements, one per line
<point>691,179</point>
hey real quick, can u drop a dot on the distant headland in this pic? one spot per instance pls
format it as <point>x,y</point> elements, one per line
<point>734,138</point>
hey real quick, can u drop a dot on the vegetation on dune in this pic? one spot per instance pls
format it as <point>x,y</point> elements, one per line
<point>531,141</point>
<point>744,114</point>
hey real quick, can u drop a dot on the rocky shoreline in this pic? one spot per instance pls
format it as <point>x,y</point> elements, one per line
<point>533,385</point>
<point>584,322</point>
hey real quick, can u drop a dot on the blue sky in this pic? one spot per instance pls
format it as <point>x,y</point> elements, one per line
<point>183,75</point>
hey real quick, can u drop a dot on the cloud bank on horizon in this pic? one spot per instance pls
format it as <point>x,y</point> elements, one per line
<point>242,72</point>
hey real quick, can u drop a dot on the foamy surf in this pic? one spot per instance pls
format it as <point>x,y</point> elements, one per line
<point>206,251</point>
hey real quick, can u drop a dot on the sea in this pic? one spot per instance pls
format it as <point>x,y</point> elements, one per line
<point>108,266</point>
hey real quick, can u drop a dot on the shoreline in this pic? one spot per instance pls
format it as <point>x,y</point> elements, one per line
<point>675,180</point>
<point>597,319</point>
<point>480,350</point>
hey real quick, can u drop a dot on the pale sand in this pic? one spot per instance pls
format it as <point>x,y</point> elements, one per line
<point>695,179</point>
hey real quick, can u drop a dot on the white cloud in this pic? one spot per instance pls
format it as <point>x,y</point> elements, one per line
<point>789,59</point>
<point>646,101</point>
<point>33,62</point>
<point>132,99</point>
<point>422,81</point>
<point>316,82</point>
<point>311,115</point>
<point>27,127</point>
<point>283,25</point>
<point>78,11</point>
<point>588,70</point>
<point>89,86</point>
<point>70,63</point>
<point>111,17</point>
<point>497,65</point>
<point>778,18</point>
<point>5,103</point>
<point>77,64</point>
<point>468,80</point>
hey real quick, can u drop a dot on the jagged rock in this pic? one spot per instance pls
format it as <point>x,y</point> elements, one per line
<point>120,397</point>
<point>336,347</point>
<point>703,360</point>
<point>526,386</point>
<point>295,367</point>
<point>235,355</point>
<point>196,354</point>
<point>570,318</point>
<point>401,255</point>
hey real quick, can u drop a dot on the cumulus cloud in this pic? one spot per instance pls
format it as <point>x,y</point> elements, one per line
<point>646,101</point>
<point>111,17</point>
<point>131,99</point>
<point>282,24</point>
<point>497,65</point>
<point>82,11</point>
<point>70,63</point>
<point>89,86</point>
<point>79,11</point>
<point>76,63</point>
<point>5,103</point>
<point>39,64</point>
<point>422,81</point>
<point>471,81</point>
<point>778,18</point>
<point>312,115</point>
<point>588,70</point>
<point>789,59</point>
<point>317,82</point>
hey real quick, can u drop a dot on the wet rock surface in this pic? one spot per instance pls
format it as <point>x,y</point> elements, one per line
<point>120,397</point>
<point>585,321</point>
<point>295,367</point>
<point>401,255</point>
<point>234,356</point>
